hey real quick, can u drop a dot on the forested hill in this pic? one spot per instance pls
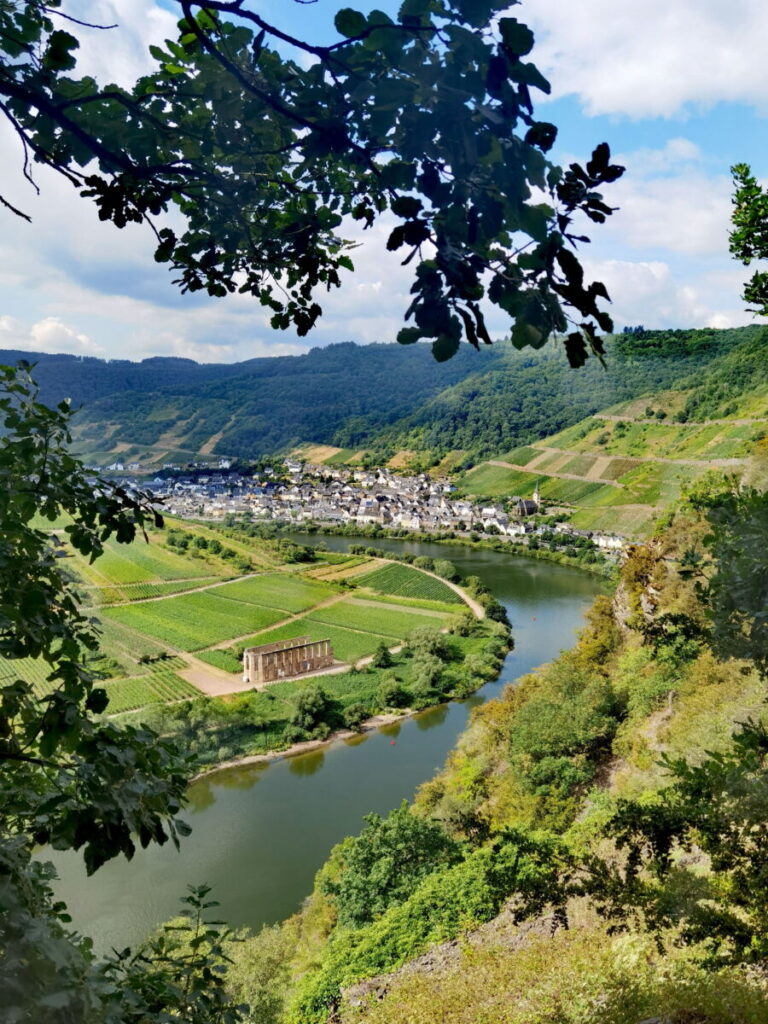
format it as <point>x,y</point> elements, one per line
<point>378,396</point>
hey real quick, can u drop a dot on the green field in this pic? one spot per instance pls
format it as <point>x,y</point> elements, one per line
<point>31,670</point>
<point>494,481</point>
<point>579,465</point>
<point>98,596</point>
<point>136,563</point>
<point>289,593</point>
<point>408,582</point>
<point>160,686</point>
<point>194,621</point>
<point>521,456</point>
<point>376,618</point>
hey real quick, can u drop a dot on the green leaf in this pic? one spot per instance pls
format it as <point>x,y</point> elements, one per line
<point>518,38</point>
<point>350,23</point>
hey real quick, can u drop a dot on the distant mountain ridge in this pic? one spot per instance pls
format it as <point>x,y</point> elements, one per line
<point>382,396</point>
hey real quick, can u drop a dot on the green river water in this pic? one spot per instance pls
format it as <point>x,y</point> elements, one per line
<point>260,832</point>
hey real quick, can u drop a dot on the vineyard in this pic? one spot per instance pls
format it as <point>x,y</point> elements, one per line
<point>404,581</point>
<point>194,621</point>
<point>376,618</point>
<point>160,686</point>
<point>98,596</point>
<point>136,563</point>
<point>348,644</point>
<point>289,593</point>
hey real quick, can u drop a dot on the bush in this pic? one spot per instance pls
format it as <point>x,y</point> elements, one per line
<point>392,694</point>
<point>355,715</point>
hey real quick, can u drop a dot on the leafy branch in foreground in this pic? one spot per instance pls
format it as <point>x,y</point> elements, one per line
<point>69,777</point>
<point>269,147</point>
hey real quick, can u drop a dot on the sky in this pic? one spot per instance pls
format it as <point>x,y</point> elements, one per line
<point>680,93</point>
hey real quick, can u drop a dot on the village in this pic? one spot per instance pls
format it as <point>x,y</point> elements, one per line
<point>303,493</point>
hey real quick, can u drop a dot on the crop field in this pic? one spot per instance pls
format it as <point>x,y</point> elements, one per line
<point>98,596</point>
<point>289,593</point>
<point>372,618</point>
<point>408,582</point>
<point>494,481</point>
<point>161,686</point>
<point>126,646</point>
<point>194,621</point>
<point>344,456</point>
<point>573,491</point>
<point>31,670</point>
<point>627,520</point>
<point>579,465</point>
<point>417,602</point>
<point>135,563</point>
<point>616,468</point>
<point>227,660</point>
<point>521,456</point>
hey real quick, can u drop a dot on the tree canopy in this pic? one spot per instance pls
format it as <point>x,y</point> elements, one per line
<point>266,147</point>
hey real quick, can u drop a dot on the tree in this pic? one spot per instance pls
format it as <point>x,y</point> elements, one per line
<point>264,145</point>
<point>381,656</point>
<point>71,778</point>
<point>749,233</point>
<point>382,865</point>
<point>315,714</point>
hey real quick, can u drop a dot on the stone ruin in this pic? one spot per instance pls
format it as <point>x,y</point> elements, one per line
<point>285,658</point>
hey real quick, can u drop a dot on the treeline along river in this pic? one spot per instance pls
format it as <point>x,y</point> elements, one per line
<point>260,832</point>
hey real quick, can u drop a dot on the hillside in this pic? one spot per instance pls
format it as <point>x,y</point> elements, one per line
<point>623,467</point>
<point>382,397</point>
<point>454,910</point>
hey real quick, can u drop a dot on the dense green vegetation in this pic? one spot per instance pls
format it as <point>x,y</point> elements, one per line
<point>364,397</point>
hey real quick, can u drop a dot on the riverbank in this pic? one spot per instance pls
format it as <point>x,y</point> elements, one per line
<point>604,568</point>
<point>372,724</point>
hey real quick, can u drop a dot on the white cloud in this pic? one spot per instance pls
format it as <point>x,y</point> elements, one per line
<point>48,335</point>
<point>655,58</point>
<point>119,55</point>
<point>650,293</point>
<point>682,213</point>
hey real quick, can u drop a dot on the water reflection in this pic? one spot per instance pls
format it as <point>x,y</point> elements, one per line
<point>357,740</point>
<point>392,729</point>
<point>306,764</point>
<point>431,719</point>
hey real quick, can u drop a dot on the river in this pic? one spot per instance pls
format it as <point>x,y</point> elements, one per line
<point>260,832</point>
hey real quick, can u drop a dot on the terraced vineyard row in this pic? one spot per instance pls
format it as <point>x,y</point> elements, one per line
<point>161,686</point>
<point>98,596</point>
<point>407,582</point>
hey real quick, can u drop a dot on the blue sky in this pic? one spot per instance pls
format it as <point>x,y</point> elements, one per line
<point>680,93</point>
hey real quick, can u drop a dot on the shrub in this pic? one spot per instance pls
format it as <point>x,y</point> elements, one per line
<point>392,694</point>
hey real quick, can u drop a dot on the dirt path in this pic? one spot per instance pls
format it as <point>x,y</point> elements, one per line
<point>720,463</point>
<point>282,622</point>
<point>688,423</point>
